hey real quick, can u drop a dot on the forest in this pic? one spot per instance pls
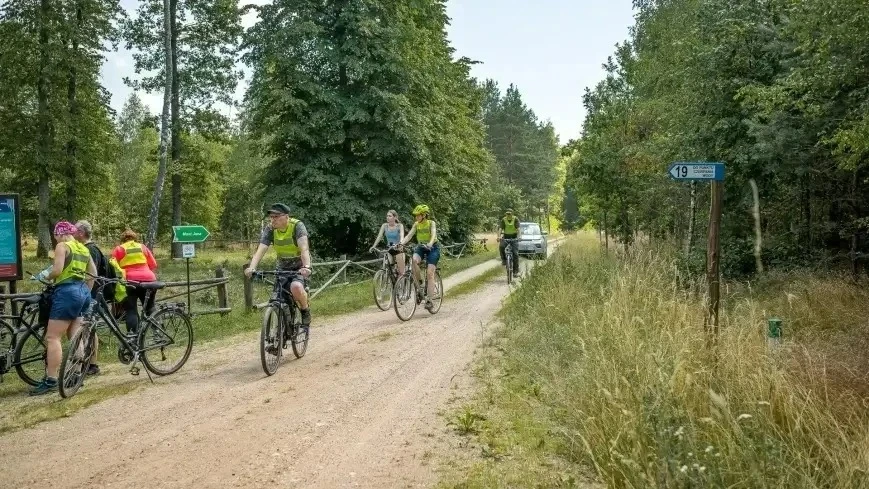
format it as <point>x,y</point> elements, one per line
<point>351,108</point>
<point>778,90</point>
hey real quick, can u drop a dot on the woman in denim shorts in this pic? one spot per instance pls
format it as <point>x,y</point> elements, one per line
<point>70,298</point>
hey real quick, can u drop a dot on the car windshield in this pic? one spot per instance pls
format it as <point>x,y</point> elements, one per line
<point>529,229</point>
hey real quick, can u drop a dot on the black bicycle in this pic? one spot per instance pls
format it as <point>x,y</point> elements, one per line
<point>508,252</point>
<point>385,278</point>
<point>281,322</point>
<point>162,343</point>
<point>22,338</point>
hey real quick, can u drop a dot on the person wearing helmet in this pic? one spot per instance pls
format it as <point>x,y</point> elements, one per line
<point>427,247</point>
<point>289,237</point>
<point>509,229</point>
<point>71,271</point>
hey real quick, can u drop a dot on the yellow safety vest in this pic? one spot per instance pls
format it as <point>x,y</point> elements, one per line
<point>510,226</point>
<point>423,231</point>
<point>76,263</point>
<point>283,242</point>
<point>133,254</point>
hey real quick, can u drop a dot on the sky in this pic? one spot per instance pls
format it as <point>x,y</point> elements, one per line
<point>550,49</point>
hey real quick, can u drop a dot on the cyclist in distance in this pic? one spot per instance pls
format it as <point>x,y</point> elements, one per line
<point>509,229</point>
<point>393,231</point>
<point>70,299</point>
<point>425,230</point>
<point>289,237</point>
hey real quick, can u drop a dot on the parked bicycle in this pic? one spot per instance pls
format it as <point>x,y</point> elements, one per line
<point>162,343</point>
<point>281,322</point>
<point>408,293</point>
<point>385,278</point>
<point>508,252</point>
<point>22,338</point>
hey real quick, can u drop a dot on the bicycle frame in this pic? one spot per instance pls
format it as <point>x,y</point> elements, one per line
<point>103,310</point>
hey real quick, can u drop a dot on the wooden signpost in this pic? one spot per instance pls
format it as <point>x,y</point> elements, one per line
<point>714,173</point>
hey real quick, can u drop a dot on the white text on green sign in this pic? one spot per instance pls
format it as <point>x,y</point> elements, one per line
<point>189,234</point>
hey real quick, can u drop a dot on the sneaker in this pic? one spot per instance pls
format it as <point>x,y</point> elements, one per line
<point>429,306</point>
<point>306,317</point>
<point>93,369</point>
<point>44,386</point>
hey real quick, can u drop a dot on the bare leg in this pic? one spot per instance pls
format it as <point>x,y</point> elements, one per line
<point>54,354</point>
<point>299,294</point>
<point>431,281</point>
<point>399,259</point>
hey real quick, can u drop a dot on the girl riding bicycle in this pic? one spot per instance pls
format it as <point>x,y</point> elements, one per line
<point>393,231</point>
<point>427,248</point>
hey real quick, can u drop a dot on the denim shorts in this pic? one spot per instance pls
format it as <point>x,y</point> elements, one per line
<point>432,257</point>
<point>69,301</point>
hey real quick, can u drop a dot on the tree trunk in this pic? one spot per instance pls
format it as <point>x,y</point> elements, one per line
<point>692,217</point>
<point>807,215</point>
<point>72,144</point>
<point>46,131</point>
<point>758,236</point>
<point>176,127</point>
<point>153,217</point>
<point>606,234</point>
<point>855,216</point>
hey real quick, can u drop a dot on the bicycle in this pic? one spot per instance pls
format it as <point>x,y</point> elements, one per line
<point>385,278</point>
<point>277,316</point>
<point>158,331</point>
<point>22,339</point>
<point>508,253</point>
<point>406,292</point>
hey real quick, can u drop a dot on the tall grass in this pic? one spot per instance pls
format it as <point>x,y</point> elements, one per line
<point>605,371</point>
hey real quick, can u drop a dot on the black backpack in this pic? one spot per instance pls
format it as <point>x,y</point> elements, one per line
<point>103,270</point>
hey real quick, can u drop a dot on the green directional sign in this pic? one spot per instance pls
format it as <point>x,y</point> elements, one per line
<point>189,234</point>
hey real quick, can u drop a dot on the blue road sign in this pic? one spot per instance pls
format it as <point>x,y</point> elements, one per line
<point>696,171</point>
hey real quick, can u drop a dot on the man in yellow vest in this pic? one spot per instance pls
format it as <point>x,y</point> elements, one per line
<point>509,229</point>
<point>289,238</point>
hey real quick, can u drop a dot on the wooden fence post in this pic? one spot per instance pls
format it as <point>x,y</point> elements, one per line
<point>344,276</point>
<point>221,289</point>
<point>248,290</point>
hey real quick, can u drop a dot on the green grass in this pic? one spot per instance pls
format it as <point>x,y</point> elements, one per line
<point>472,285</point>
<point>51,407</point>
<point>602,374</point>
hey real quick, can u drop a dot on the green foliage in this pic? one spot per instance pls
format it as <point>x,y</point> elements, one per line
<point>773,89</point>
<point>525,151</point>
<point>355,118</point>
<point>57,143</point>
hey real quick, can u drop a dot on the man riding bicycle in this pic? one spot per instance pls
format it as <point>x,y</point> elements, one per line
<point>509,229</point>
<point>427,248</point>
<point>289,238</point>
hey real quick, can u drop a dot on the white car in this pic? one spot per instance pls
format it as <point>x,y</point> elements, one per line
<point>532,240</point>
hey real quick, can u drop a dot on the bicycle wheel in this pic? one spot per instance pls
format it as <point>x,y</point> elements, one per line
<point>75,363</point>
<point>382,290</point>
<point>438,297</point>
<point>509,269</point>
<point>166,341</point>
<point>270,340</point>
<point>404,297</point>
<point>299,339</point>
<point>30,354</point>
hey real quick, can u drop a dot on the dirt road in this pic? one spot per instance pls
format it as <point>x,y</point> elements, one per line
<point>359,410</point>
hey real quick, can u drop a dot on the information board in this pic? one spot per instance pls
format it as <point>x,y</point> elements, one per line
<point>10,237</point>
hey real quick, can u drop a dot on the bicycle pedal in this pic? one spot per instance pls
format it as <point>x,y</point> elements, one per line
<point>134,371</point>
